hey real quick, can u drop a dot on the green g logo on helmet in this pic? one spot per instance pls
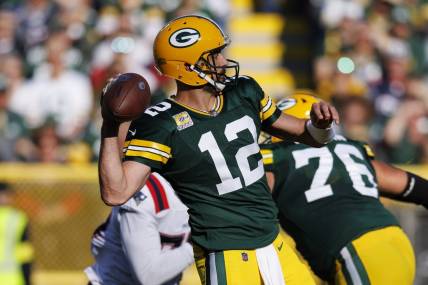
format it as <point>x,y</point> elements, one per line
<point>184,38</point>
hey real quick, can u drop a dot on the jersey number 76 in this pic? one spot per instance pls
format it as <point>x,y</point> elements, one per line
<point>319,187</point>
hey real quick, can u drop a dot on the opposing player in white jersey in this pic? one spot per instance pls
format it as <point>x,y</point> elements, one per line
<point>144,241</point>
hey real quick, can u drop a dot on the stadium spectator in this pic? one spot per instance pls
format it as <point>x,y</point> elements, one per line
<point>16,254</point>
<point>406,133</point>
<point>368,67</point>
<point>189,7</point>
<point>77,18</point>
<point>356,113</point>
<point>7,32</point>
<point>35,21</point>
<point>388,95</point>
<point>49,149</point>
<point>13,71</point>
<point>56,92</point>
<point>120,36</point>
<point>15,143</point>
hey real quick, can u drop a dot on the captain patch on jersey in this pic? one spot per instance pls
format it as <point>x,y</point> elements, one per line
<point>183,120</point>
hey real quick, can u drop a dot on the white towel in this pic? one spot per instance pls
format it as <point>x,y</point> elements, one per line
<point>269,265</point>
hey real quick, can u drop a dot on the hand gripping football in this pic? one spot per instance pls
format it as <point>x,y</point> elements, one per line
<point>125,97</point>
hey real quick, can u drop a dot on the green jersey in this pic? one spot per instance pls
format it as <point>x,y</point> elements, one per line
<point>214,163</point>
<point>326,196</point>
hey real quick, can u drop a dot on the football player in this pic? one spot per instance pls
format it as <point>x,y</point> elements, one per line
<point>203,140</point>
<point>328,200</point>
<point>144,241</point>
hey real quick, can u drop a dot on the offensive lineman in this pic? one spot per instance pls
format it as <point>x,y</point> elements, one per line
<point>204,141</point>
<point>328,202</point>
<point>144,241</point>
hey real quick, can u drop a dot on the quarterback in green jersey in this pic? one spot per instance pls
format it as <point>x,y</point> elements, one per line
<point>328,200</point>
<point>204,142</point>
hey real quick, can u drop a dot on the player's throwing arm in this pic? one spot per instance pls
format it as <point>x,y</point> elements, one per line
<point>124,98</point>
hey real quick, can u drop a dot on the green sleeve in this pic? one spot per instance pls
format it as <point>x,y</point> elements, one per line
<point>148,142</point>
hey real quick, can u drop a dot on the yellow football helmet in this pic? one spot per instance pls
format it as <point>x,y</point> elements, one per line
<point>182,50</point>
<point>298,105</point>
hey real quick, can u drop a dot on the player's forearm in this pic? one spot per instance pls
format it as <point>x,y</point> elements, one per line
<point>166,265</point>
<point>415,191</point>
<point>288,127</point>
<point>111,174</point>
<point>118,181</point>
<point>299,130</point>
<point>401,185</point>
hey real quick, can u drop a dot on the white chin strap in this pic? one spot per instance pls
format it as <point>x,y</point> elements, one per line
<point>217,85</point>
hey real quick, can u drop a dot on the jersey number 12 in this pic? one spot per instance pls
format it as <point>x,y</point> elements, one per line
<point>228,183</point>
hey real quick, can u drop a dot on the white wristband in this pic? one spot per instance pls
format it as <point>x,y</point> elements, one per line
<point>322,136</point>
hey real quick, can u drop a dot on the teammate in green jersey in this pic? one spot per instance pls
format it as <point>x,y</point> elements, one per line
<point>204,142</point>
<point>328,203</point>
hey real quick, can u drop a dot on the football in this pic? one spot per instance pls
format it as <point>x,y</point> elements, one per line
<point>125,97</point>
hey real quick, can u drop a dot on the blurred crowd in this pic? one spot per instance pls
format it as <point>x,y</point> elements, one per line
<point>374,67</point>
<point>56,56</point>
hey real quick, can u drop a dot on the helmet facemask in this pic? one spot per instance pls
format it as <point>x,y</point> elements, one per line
<point>218,76</point>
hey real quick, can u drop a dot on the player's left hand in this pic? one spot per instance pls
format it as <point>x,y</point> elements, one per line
<point>323,115</point>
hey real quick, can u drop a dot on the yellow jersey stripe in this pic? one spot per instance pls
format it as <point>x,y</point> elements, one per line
<point>148,149</point>
<point>267,156</point>
<point>267,106</point>
<point>151,144</point>
<point>264,101</point>
<point>269,112</point>
<point>148,155</point>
